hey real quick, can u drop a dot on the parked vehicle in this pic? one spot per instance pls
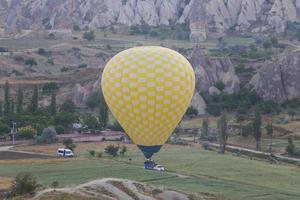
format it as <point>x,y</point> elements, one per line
<point>67,153</point>
<point>159,168</point>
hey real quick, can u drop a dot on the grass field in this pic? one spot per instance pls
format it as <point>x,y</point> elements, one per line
<point>190,170</point>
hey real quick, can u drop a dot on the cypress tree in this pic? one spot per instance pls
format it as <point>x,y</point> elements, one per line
<point>53,104</point>
<point>6,99</point>
<point>34,100</point>
<point>19,101</point>
<point>257,129</point>
<point>103,118</point>
<point>223,133</point>
<point>1,108</point>
<point>12,106</point>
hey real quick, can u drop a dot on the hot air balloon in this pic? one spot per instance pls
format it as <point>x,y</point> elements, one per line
<point>148,89</point>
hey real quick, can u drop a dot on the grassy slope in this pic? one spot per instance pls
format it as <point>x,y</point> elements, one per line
<point>230,176</point>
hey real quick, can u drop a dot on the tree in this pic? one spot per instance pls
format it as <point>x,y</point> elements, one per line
<point>220,85</point>
<point>91,122</point>
<point>53,104</point>
<point>34,101</point>
<point>223,132</point>
<point>30,62</point>
<point>23,183</point>
<point>1,108</point>
<point>12,106</point>
<point>269,129</point>
<point>4,129</point>
<point>112,150</point>
<point>68,106</point>
<point>205,124</point>
<point>257,129</point>
<point>89,35</point>
<point>290,148</point>
<point>103,111</point>
<point>191,111</point>
<point>6,99</point>
<point>48,136</point>
<point>93,100</point>
<point>20,101</point>
<point>69,144</point>
<point>65,119</point>
<point>123,150</point>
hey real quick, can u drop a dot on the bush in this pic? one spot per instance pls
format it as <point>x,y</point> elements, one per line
<point>68,106</point>
<point>42,52</point>
<point>54,184</point>
<point>26,133</point>
<point>99,154</point>
<point>82,65</point>
<point>116,127</point>
<point>64,69</point>
<point>30,62</point>
<point>59,129</point>
<point>123,150</point>
<point>89,35</point>
<point>220,85</point>
<point>69,144</point>
<point>92,153</point>
<point>290,148</point>
<point>48,136</point>
<point>206,146</point>
<point>50,87</point>
<point>23,184</point>
<point>112,150</point>
<point>4,129</point>
<point>191,111</point>
<point>93,100</point>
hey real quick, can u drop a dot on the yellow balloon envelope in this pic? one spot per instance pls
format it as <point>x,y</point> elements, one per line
<point>148,90</point>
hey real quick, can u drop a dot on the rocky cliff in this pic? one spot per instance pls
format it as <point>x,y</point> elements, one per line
<point>279,81</point>
<point>203,17</point>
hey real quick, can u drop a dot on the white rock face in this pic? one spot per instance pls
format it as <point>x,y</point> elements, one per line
<point>203,16</point>
<point>199,103</point>
<point>209,70</point>
<point>80,95</point>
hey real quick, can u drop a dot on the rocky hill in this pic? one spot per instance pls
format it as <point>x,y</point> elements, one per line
<point>204,17</point>
<point>114,189</point>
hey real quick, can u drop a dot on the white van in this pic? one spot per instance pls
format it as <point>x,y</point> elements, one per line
<point>61,152</point>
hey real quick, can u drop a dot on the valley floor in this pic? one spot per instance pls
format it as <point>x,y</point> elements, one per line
<point>189,169</point>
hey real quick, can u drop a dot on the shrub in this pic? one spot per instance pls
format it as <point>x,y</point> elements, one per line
<point>112,150</point>
<point>191,111</point>
<point>30,62</point>
<point>99,154</point>
<point>116,126</point>
<point>42,52</point>
<point>93,100</point>
<point>123,150</point>
<point>4,129</point>
<point>89,35</point>
<point>48,136</point>
<point>290,148</point>
<point>50,87</point>
<point>92,153</point>
<point>23,183</point>
<point>82,65</point>
<point>59,129</point>
<point>64,69</point>
<point>54,184</point>
<point>68,106</point>
<point>220,85</point>
<point>91,122</point>
<point>26,132</point>
<point>69,144</point>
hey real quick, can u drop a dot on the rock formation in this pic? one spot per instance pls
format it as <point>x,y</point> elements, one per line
<point>80,95</point>
<point>203,17</point>
<point>209,70</point>
<point>279,81</point>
